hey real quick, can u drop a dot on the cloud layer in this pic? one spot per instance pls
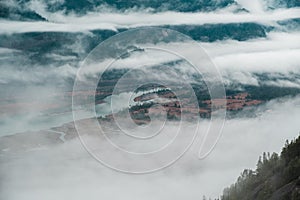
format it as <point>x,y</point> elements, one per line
<point>113,21</point>
<point>67,171</point>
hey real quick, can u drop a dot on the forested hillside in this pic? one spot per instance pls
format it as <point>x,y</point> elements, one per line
<point>277,177</point>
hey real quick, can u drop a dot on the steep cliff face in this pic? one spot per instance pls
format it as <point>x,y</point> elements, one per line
<point>276,177</point>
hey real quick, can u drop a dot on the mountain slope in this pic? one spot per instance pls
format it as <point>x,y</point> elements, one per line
<point>276,177</point>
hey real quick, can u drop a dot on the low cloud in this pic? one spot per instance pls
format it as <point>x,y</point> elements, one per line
<point>67,171</point>
<point>113,21</point>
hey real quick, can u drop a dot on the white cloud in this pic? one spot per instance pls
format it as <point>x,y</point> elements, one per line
<point>280,61</point>
<point>237,61</point>
<point>275,41</point>
<point>36,74</point>
<point>61,171</point>
<point>111,21</point>
<point>275,54</point>
<point>254,6</point>
<point>7,51</point>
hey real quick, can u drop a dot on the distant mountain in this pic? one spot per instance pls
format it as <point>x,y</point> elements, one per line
<point>26,9</point>
<point>22,7</point>
<point>276,177</point>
